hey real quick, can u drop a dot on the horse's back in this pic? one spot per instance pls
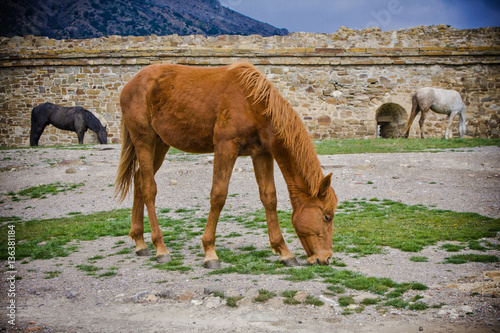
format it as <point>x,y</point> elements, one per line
<point>440,100</point>
<point>40,114</point>
<point>183,103</point>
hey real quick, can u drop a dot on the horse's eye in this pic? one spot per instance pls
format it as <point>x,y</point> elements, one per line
<point>328,218</point>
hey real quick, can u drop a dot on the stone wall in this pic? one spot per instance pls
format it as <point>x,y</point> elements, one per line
<point>344,85</point>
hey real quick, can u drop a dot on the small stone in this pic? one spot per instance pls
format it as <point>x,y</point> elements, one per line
<point>328,301</point>
<point>70,170</point>
<point>70,294</point>
<point>213,302</point>
<point>141,297</point>
<point>420,328</point>
<point>362,167</point>
<point>252,293</point>
<point>173,182</point>
<point>186,296</point>
<point>168,294</point>
<point>301,296</point>
<point>466,309</point>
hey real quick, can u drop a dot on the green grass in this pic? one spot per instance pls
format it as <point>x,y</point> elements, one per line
<point>264,296</point>
<point>52,274</point>
<point>465,258</point>
<point>41,191</point>
<point>360,146</point>
<point>418,259</point>
<point>364,227</point>
<point>45,239</point>
<point>361,227</point>
<point>452,247</point>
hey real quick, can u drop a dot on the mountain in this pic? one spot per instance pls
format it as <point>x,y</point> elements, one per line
<point>68,19</point>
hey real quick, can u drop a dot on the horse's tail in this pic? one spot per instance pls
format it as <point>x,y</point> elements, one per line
<point>127,167</point>
<point>414,107</point>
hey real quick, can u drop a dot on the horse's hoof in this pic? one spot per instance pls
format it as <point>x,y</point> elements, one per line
<point>290,262</point>
<point>143,252</point>
<point>212,264</point>
<point>164,258</point>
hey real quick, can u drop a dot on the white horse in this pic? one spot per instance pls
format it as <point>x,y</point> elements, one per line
<point>440,101</point>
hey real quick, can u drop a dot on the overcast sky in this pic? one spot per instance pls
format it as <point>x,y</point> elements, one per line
<point>326,16</point>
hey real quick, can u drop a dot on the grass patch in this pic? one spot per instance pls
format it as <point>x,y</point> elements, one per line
<point>465,258</point>
<point>89,269</point>
<point>264,296</point>
<point>52,274</point>
<point>361,146</point>
<point>289,297</point>
<point>418,259</point>
<point>311,300</point>
<point>108,274</point>
<point>175,265</point>
<point>45,239</point>
<point>233,301</point>
<point>41,191</point>
<point>364,227</point>
<point>452,247</point>
<point>346,300</point>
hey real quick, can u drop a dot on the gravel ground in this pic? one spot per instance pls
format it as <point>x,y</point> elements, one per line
<point>132,300</point>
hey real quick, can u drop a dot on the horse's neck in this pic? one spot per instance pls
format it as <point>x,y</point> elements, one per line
<point>297,182</point>
<point>93,123</point>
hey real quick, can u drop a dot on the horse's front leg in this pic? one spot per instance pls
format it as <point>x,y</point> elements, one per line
<point>264,173</point>
<point>224,157</point>
<point>448,134</point>
<point>81,135</point>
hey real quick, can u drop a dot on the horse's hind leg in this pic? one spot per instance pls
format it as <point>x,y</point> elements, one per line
<point>421,122</point>
<point>224,157</point>
<point>144,194</point>
<point>137,223</point>
<point>35,134</point>
<point>263,168</point>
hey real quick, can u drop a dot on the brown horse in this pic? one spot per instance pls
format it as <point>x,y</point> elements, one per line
<point>231,111</point>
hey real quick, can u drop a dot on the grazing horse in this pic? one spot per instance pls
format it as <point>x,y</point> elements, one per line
<point>231,111</point>
<point>441,101</point>
<point>75,119</point>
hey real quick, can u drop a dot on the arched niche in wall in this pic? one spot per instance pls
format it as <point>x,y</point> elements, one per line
<point>391,119</point>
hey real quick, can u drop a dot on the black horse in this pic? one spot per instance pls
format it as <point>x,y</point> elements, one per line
<point>75,119</point>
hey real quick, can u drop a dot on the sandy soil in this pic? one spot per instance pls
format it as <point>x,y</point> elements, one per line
<point>140,298</point>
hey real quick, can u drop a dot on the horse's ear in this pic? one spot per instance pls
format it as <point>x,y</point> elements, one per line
<point>324,185</point>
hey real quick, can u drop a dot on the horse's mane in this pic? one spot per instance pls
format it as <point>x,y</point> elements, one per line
<point>286,123</point>
<point>92,122</point>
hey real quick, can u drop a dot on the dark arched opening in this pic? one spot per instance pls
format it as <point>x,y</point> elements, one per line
<point>391,119</point>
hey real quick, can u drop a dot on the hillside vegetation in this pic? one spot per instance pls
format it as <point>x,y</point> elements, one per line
<point>66,19</point>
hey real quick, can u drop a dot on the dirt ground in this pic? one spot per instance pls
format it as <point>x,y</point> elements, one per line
<point>140,298</point>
